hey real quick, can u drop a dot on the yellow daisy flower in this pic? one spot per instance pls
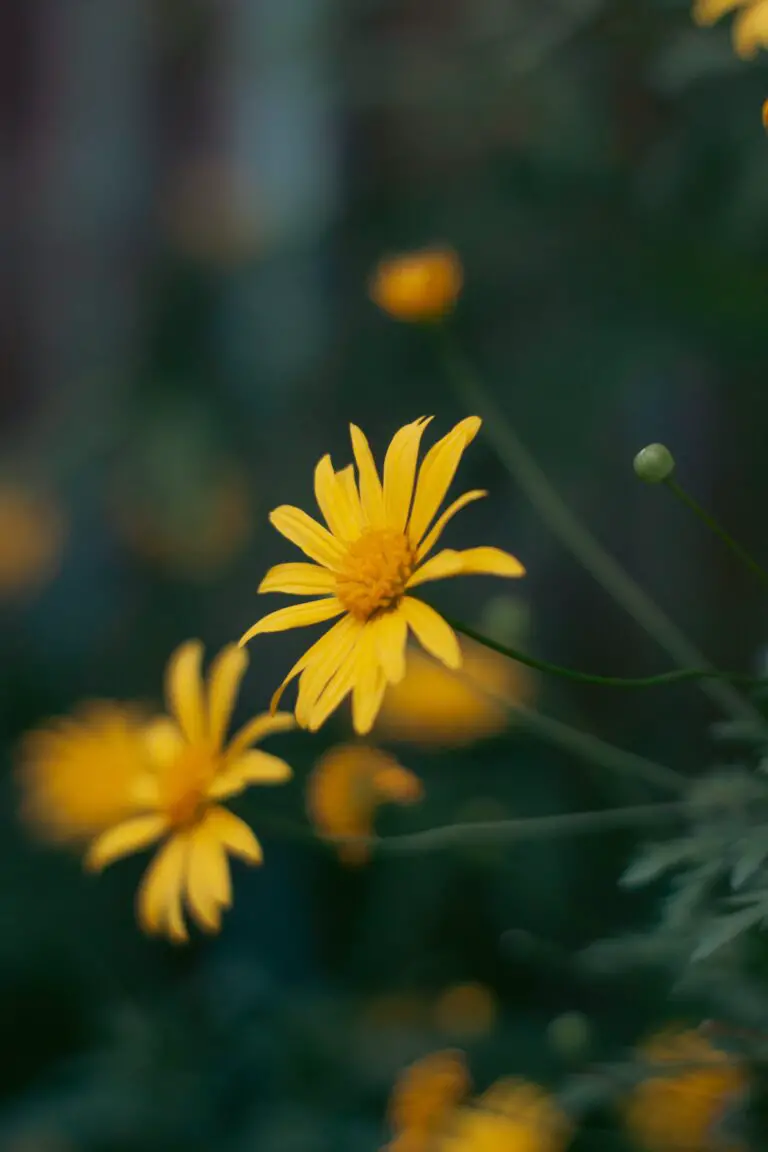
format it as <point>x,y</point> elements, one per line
<point>512,1116</point>
<point>678,1111</point>
<point>346,787</point>
<point>418,286</point>
<point>750,28</point>
<point>78,774</point>
<point>373,553</point>
<point>425,1095</point>
<point>191,769</point>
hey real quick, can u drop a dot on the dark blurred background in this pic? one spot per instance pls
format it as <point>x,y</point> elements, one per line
<point>193,195</point>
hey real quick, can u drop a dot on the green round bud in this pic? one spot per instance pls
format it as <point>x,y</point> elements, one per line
<point>570,1035</point>
<point>654,463</point>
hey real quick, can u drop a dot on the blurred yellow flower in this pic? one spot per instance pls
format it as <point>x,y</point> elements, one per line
<point>191,769</point>
<point>424,1096</point>
<point>422,285</point>
<point>765,114</point>
<point>78,774</point>
<point>465,1010</point>
<point>32,534</point>
<point>750,27</point>
<point>433,706</point>
<point>678,1111</point>
<point>365,566</point>
<point>346,787</point>
<point>512,1116</point>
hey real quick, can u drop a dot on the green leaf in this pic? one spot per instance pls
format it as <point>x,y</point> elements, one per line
<point>653,861</point>
<point>723,929</point>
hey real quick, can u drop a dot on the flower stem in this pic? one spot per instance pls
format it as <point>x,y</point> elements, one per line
<point>749,561</point>
<point>564,524</point>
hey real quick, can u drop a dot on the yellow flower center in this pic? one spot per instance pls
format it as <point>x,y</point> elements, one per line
<point>185,784</point>
<point>376,569</point>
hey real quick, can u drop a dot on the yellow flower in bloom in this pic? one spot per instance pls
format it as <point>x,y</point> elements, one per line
<point>512,1116</point>
<point>191,769</point>
<point>32,533</point>
<point>346,787</point>
<point>465,1010</point>
<point>678,1111</point>
<point>372,554</point>
<point>414,286</point>
<point>78,774</point>
<point>433,706</point>
<point>424,1096</point>
<point>750,28</point>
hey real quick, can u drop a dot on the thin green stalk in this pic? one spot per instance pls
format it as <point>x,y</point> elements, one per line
<point>565,525</point>
<point>718,530</point>
<point>676,676</point>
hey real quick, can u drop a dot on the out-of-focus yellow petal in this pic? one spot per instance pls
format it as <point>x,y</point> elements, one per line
<point>184,689</point>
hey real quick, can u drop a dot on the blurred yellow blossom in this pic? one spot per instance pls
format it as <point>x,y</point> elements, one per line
<point>765,114</point>
<point>346,787</point>
<point>78,773</point>
<point>32,535</point>
<point>750,26</point>
<point>192,768</point>
<point>512,1116</point>
<point>424,1096</point>
<point>422,285</point>
<point>367,563</point>
<point>465,1010</point>
<point>678,1111</point>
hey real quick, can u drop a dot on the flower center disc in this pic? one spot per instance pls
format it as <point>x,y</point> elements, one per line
<point>185,785</point>
<point>376,569</point>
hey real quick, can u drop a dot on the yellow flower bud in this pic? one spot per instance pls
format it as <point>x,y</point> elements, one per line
<point>418,286</point>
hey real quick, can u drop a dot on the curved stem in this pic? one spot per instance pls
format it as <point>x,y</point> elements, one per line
<point>717,529</point>
<point>564,524</point>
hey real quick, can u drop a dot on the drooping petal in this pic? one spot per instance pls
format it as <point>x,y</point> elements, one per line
<point>487,561</point>
<point>225,675</point>
<point>339,686</point>
<point>371,492</point>
<point>208,885</point>
<point>124,839</point>
<point>162,881</point>
<point>432,632</point>
<point>390,636</point>
<point>295,616</point>
<point>163,740</point>
<point>235,835</point>
<point>439,567</point>
<point>315,652</point>
<point>184,689</point>
<point>255,767</point>
<point>298,580</point>
<point>400,471</point>
<point>333,501</point>
<point>436,473</point>
<point>257,729</point>
<point>324,664</point>
<point>314,540</point>
<point>367,694</point>
<point>436,531</point>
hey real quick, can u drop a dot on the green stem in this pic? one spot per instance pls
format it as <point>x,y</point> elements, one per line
<point>718,530</point>
<point>676,676</point>
<point>562,522</point>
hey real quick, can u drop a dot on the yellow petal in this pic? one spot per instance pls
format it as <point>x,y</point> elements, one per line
<point>208,881</point>
<point>235,835</point>
<point>750,30</point>
<point>348,488</point>
<point>390,636</point>
<point>124,839</point>
<point>432,632</point>
<point>710,11</point>
<point>436,532</point>
<point>338,687</point>
<point>298,580</point>
<point>295,616</point>
<point>444,564</point>
<point>371,493</point>
<point>162,882</point>
<point>310,656</point>
<point>367,694</point>
<point>254,767</point>
<point>184,689</point>
<point>324,662</point>
<point>226,673</point>
<point>333,501</point>
<point>436,473</point>
<point>163,741</point>
<point>400,470</point>
<point>489,562</point>
<point>314,540</point>
<point>257,729</point>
